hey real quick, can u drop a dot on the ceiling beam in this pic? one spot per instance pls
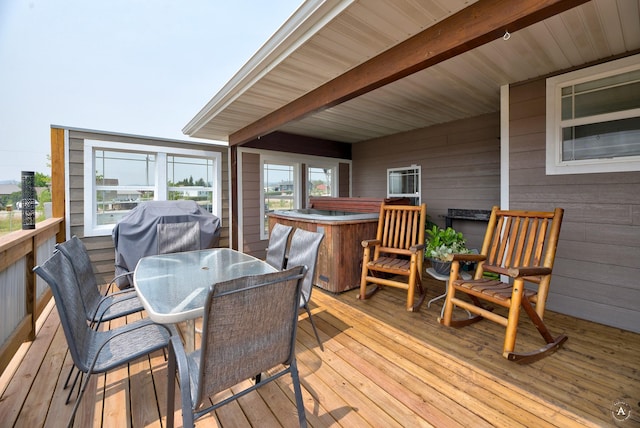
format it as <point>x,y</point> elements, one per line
<point>480,23</point>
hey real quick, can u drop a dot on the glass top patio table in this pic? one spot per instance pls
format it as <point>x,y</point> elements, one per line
<point>173,287</point>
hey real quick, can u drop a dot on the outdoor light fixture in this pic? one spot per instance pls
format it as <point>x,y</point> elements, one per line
<point>28,206</point>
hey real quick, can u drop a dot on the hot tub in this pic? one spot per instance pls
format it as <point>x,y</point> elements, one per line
<point>340,255</point>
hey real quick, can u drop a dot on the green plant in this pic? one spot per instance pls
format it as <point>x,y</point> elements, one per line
<point>443,242</point>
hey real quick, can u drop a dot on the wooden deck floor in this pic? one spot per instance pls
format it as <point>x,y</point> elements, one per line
<point>382,367</point>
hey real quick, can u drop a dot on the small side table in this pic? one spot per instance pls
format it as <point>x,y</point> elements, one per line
<point>431,271</point>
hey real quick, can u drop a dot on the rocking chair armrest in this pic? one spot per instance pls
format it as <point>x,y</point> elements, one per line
<point>370,242</point>
<point>415,248</point>
<point>518,272</point>
<point>466,257</point>
<point>529,271</point>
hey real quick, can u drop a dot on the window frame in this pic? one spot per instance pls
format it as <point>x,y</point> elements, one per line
<point>554,85</point>
<point>321,165</point>
<point>297,162</point>
<point>418,194</point>
<point>160,188</point>
<point>278,160</point>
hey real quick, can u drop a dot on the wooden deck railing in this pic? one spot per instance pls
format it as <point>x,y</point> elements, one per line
<point>22,295</point>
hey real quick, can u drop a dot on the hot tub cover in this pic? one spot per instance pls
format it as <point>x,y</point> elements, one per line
<point>134,236</point>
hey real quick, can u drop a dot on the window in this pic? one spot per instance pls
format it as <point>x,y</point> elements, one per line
<point>404,183</point>
<point>279,189</point>
<point>319,182</point>
<point>593,119</point>
<point>119,176</point>
<point>282,181</point>
<point>117,192</point>
<point>191,178</point>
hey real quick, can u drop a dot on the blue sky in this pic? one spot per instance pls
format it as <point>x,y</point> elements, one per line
<point>142,67</point>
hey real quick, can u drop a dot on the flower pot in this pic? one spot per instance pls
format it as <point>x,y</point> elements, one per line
<point>440,266</point>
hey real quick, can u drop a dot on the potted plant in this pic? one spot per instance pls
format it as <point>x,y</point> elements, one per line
<point>441,243</point>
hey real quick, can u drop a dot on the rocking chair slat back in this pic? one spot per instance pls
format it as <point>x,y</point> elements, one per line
<point>518,240</point>
<point>400,228</point>
<point>397,250</point>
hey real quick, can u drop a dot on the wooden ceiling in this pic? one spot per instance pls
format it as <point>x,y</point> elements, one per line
<point>309,79</point>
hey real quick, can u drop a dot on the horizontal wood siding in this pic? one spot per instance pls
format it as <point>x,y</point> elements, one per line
<point>598,260</point>
<point>343,180</point>
<point>460,167</point>
<point>101,248</point>
<point>250,211</point>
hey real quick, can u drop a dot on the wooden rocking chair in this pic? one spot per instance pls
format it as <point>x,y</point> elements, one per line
<point>520,245</point>
<point>398,250</point>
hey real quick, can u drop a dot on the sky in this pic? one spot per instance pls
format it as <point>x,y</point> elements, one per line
<point>141,67</point>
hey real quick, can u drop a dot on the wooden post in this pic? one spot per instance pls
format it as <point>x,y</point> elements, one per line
<point>57,179</point>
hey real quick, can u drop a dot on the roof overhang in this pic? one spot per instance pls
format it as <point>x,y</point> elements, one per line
<point>350,71</point>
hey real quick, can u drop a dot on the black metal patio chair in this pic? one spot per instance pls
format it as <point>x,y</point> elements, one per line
<point>304,252</point>
<point>277,249</point>
<point>97,307</point>
<point>96,351</point>
<point>249,327</point>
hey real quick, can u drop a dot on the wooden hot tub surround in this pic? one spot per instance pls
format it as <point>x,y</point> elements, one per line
<point>340,255</point>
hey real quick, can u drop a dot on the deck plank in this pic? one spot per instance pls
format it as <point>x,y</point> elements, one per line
<point>433,375</point>
<point>58,411</point>
<point>501,404</point>
<point>18,387</point>
<point>114,389</point>
<point>358,395</point>
<point>255,409</point>
<point>38,402</point>
<point>382,365</point>
<point>558,378</point>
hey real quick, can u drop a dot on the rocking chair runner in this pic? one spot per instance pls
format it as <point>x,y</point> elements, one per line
<point>398,250</point>
<point>522,246</point>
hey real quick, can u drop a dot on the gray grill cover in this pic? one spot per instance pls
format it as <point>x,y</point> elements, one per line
<point>135,235</point>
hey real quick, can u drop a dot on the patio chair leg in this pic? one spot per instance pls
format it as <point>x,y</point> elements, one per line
<point>83,387</point>
<point>66,382</point>
<point>73,385</point>
<point>313,324</point>
<point>293,368</point>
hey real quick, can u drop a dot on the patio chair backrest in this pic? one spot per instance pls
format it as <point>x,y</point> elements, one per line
<point>304,252</point>
<point>58,272</point>
<point>178,237</point>
<point>249,327</point>
<point>277,249</point>
<point>75,251</point>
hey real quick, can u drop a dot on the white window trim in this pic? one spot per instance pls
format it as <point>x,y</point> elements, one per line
<point>324,165</point>
<point>418,193</point>
<point>160,190</point>
<point>554,163</point>
<point>286,158</point>
<point>297,195</point>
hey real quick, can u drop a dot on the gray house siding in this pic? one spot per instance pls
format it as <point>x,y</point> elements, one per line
<point>597,264</point>
<point>251,221</point>
<point>101,248</point>
<point>343,180</point>
<point>460,163</point>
